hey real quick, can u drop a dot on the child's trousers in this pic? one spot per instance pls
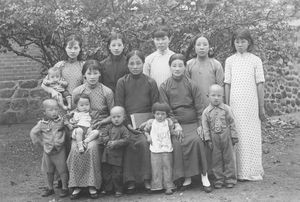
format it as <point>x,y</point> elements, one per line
<point>223,164</point>
<point>161,164</point>
<point>112,177</point>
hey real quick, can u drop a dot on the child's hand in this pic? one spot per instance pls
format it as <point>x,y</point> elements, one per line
<point>55,94</point>
<point>234,141</point>
<point>209,144</point>
<point>149,139</point>
<point>110,144</point>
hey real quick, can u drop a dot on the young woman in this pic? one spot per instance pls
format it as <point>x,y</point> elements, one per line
<point>244,92</point>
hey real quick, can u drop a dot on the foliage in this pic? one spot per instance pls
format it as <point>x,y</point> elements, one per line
<point>46,23</point>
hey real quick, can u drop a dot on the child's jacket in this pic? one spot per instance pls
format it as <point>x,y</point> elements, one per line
<point>51,133</point>
<point>216,120</point>
<point>119,134</point>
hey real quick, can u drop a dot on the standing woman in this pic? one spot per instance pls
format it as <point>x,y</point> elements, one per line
<point>184,98</point>
<point>114,66</point>
<point>85,168</point>
<point>244,92</point>
<point>136,92</point>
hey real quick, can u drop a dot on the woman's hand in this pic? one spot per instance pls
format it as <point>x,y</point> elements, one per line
<point>97,124</point>
<point>134,131</point>
<point>178,132</point>
<point>262,114</point>
<point>200,133</point>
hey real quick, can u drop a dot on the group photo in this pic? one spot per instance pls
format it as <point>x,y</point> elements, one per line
<point>150,100</point>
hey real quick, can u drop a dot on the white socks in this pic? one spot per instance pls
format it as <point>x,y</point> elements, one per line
<point>205,181</point>
<point>187,181</point>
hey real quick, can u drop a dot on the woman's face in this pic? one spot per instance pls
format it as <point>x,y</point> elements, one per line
<point>135,65</point>
<point>116,46</point>
<point>92,76</point>
<point>177,68</point>
<point>73,49</point>
<point>202,47</point>
<point>241,45</point>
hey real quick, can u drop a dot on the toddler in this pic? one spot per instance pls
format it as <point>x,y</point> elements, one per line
<point>220,135</point>
<point>55,81</point>
<point>49,132</point>
<point>115,138</point>
<point>81,120</point>
<point>158,132</point>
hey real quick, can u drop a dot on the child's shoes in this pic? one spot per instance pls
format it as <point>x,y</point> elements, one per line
<point>169,192</point>
<point>218,186</point>
<point>64,193</point>
<point>48,192</point>
<point>118,194</point>
<point>229,185</point>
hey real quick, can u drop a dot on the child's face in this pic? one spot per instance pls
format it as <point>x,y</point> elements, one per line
<point>116,46</point>
<point>51,110</point>
<point>135,65</point>
<point>241,45</point>
<point>160,116</point>
<point>92,76</point>
<point>216,96</point>
<point>177,68</point>
<point>117,117</point>
<point>54,76</point>
<point>161,43</point>
<point>83,105</point>
<point>73,49</point>
<point>202,47</point>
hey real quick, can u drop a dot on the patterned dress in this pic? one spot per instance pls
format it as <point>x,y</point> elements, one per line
<point>85,169</point>
<point>243,72</point>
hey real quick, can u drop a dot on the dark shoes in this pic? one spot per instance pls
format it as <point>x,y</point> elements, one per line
<point>229,185</point>
<point>59,184</point>
<point>118,194</point>
<point>218,186</point>
<point>207,189</point>
<point>75,194</point>
<point>169,192</point>
<point>48,192</point>
<point>64,193</point>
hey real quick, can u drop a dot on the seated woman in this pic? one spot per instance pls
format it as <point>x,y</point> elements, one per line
<point>85,168</point>
<point>137,93</point>
<point>184,98</point>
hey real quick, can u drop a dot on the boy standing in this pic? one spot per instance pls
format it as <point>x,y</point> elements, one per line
<point>220,135</point>
<point>156,64</point>
<point>49,132</point>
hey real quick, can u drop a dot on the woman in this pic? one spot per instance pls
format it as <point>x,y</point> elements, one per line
<point>85,170</point>
<point>184,98</point>
<point>244,92</point>
<point>137,93</point>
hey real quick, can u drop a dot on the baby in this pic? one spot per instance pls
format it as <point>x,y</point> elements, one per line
<point>220,135</point>
<point>49,132</point>
<point>115,138</point>
<point>158,132</point>
<point>55,81</point>
<point>81,120</point>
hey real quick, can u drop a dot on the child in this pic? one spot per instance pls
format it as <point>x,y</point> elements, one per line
<point>158,133</point>
<point>49,132</point>
<point>220,135</point>
<point>157,64</point>
<point>115,65</point>
<point>55,81</point>
<point>81,120</point>
<point>115,138</point>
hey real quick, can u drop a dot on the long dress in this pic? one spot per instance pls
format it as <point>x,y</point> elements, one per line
<point>137,94</point>
<point>85,169</point>
<point>113,68</point>
<point>184,98</point>
<point>243,72</point>
<point>204,75</point>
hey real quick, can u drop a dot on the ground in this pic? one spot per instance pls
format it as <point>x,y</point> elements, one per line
<point>22,180</point>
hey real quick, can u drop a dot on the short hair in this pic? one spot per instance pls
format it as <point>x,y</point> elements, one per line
<point>118,108</point>
<point>161,107</point>
<point>242,34</point>
<point>177,56</point>
<point>137,53</point>
<point>161,31</point>
<point>48,102</point>
<point>115,36</point>
<point>91,65</point>
<point>83,96</point>
<point>54,69</point>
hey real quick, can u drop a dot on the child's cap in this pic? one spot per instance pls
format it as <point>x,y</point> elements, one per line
<point>49,102</point>
<point>161,32</point>
<point>161,107</point>
<point>54,70</point>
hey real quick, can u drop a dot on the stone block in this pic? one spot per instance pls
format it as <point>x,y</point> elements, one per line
<point>6,93</point>
<point>4,105</point>
<point>8,118</point>
<point>35,105</point>
<point>19,104</point>
<point>21,93</point>
<point>8,84</point>
<point>283,94</point>
<point>39,93</point>
<point>28,84</point>
<point>298,102</point>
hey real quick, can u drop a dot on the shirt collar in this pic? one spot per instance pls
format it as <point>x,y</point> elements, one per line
<point>163,52</point>
<point>47,120</point>
<point>221,106</point>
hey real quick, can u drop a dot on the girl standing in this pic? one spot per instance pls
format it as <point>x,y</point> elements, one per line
<point>244,92</point>
<point>114,66</point>
<point>203,69</point>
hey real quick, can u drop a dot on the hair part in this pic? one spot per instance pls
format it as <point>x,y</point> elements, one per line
<point>115,36</point>
<point>161,32</point>
<point>191,52</point>
<point>71,39</point>
<point>177,56</point>
<point>242,34</point>
<point>161,107</point>
<point>137,53</point>
<point>91,65</point>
